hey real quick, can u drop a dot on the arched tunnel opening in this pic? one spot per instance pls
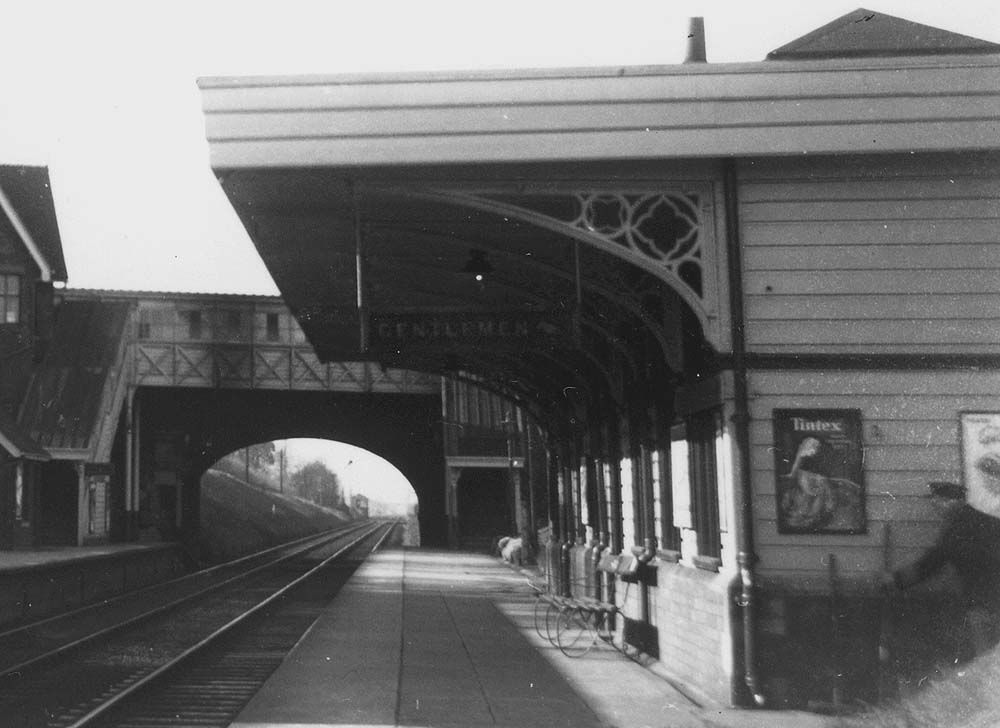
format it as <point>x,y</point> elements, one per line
<point>185,432</point>
<point>270,492</point>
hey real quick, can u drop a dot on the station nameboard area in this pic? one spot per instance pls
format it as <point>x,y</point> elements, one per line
<point>450,329</point>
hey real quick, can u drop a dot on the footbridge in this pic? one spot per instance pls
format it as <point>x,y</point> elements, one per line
<point>139,393</point>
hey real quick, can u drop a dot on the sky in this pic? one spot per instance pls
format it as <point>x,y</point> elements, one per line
<point>358,470</point>
<point>104,93</point>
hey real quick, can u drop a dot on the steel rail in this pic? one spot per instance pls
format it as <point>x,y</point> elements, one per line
<point>100,710</point>
<point>318,541</point>
<point>192,576</point>
<point>385,536</point>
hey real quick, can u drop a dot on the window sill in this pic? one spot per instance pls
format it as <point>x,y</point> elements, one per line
<point>668,556</point>
<point>707,563</point>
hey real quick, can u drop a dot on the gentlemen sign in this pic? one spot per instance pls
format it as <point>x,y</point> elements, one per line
<point>443,329</point>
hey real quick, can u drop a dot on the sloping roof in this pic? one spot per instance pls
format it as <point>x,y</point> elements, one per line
<point>866,33</point>
<point>66,396</point>
<point>16,441</point>
<point>30,194</point>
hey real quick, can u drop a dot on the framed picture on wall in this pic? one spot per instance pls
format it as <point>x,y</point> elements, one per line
<point>819,471</point>
<point>981,460</point>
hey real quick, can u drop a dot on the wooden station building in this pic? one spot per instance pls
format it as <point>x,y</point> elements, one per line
<point>748,311</point>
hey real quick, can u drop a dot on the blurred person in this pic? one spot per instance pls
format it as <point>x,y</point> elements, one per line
<point>969,541</point>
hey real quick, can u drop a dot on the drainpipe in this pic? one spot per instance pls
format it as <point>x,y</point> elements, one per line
<point>644,554</point>
<point>645,432</point>
<point>529,470</point>
<point>594,465</point>
<point>641,482</point>
<point>552,499</point>
<point>746,557</point>
<point>567,521</point>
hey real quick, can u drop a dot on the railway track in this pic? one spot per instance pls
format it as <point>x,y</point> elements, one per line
<point>193,662</point>
<point>44,639</point>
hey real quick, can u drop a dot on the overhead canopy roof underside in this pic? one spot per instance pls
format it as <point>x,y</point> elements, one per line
<point>554,318</point>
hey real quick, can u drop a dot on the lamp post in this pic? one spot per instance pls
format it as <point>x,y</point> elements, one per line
<point>281,468</point>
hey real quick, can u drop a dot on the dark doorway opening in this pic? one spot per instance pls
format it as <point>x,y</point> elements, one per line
<point>57,505</point>
<point>484,513</point>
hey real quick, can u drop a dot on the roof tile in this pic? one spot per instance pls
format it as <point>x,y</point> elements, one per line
<point>64,401</point>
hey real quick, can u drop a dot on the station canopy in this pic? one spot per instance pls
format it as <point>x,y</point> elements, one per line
<point>514,283</point>
<point>589,202</point>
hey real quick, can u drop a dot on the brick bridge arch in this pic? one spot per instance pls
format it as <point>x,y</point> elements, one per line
<point>184,431</point>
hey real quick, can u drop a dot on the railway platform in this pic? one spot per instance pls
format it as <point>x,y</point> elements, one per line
<point>42,557</point>
<point>446,639</point>
<point>36,583</point>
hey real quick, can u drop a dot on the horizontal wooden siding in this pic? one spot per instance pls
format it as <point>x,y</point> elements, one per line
<point>910,437</point>
<point>892,255</point>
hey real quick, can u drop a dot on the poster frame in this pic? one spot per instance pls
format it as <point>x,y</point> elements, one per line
<point>837,503</point>
<point>979,438</point>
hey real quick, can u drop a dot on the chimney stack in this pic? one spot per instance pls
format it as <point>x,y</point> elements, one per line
<point>696,41</point>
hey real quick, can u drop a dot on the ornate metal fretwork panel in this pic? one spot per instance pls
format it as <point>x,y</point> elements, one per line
<point>667,229</point>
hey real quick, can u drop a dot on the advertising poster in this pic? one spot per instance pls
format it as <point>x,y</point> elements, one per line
<point>818,465</point>
<point>981,460</point>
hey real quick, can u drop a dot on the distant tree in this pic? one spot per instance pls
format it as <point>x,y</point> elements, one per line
<point>262,456</point>
<point>257,464</point>
<point>316,482</point>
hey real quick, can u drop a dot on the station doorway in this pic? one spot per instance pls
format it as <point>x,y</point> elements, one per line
<point>485,511</point>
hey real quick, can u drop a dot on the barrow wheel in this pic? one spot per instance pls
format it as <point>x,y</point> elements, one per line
<point>546,619</point>
<point>538,616</point>
<point>542,620</point>
<point>552,616</point>
<point>575,632</point>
